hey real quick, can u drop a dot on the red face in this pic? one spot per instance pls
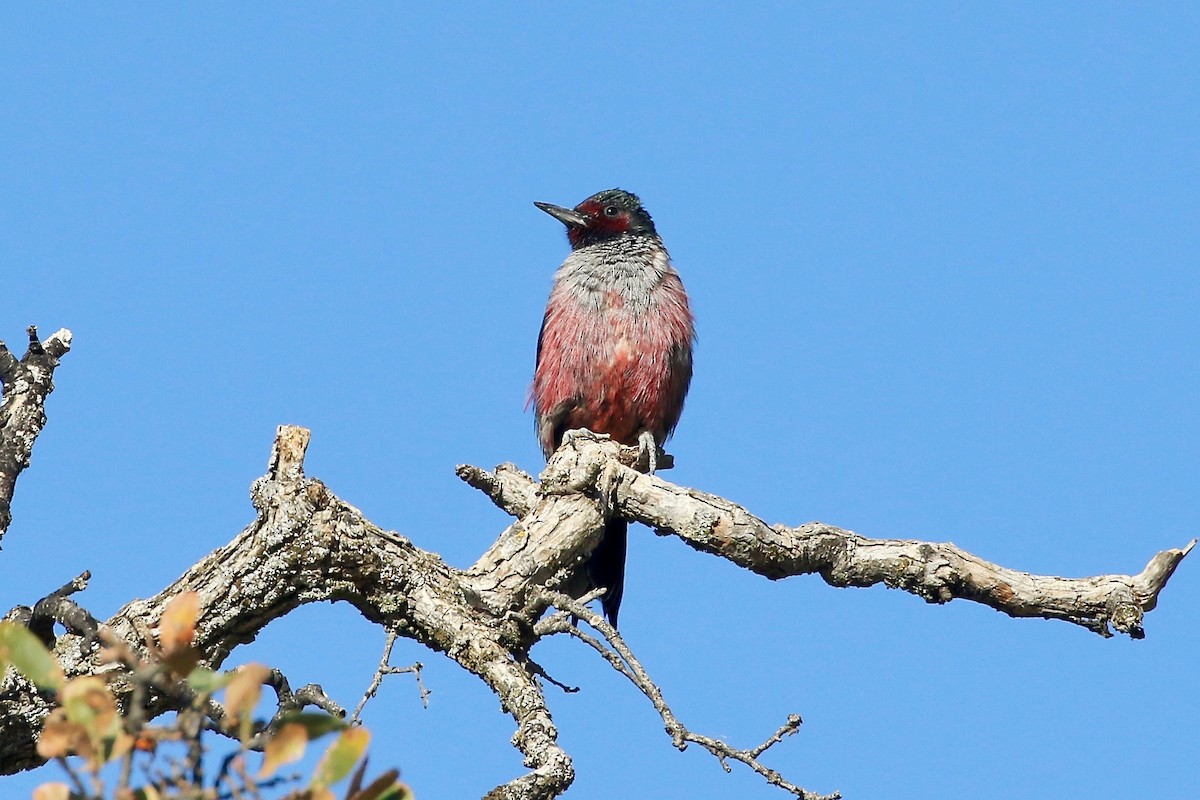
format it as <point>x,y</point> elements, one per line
<point>603,222</point>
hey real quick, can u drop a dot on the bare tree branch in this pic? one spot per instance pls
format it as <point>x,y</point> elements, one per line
<point>308,546</point>
<point>58,607</point>
<point>937,572</point>
<point>310,694</point>
<point>26,384</point>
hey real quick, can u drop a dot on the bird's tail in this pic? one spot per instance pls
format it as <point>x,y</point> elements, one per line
<point>606,567</point>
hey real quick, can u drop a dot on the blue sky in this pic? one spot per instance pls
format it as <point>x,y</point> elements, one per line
<point>943,263</point>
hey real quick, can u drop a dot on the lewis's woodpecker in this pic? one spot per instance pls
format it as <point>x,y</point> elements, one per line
<point>615,352</point>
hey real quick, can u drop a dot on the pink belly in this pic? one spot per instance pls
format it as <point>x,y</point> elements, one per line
<point>613,371</point>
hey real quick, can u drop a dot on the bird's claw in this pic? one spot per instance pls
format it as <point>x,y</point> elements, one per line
<point>648,451</point>
<point>583,433</point>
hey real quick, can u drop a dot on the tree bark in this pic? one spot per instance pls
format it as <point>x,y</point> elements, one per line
<point>27,384</point>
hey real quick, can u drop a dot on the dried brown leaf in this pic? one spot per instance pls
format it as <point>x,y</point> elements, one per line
<point>286,746</point>
<point>60,737</point>
<point>177,628</point>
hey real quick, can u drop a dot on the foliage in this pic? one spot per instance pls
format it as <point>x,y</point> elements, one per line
<point>90,737</point>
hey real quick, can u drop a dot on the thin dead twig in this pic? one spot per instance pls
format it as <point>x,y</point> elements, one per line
<point>384,669</point>
<point>623,660</point>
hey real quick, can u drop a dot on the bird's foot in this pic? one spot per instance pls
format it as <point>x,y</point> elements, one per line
<point>583,433</point>
<point>648,451</point>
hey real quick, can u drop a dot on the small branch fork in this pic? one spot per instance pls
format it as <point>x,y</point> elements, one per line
<point>58,607</point>
<point>310,694</point>
<point>384,669</point>
<point>622,659</point>
<point>26,384</point>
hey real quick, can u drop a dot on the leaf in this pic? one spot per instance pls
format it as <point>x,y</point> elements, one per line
<point>52,791</point>
<point>316,723</point>
<point>88,702</point>
<point>385,787</point>
<point>117,746</point>
<point>177,631</point>
<point>183,662</point>
<point>206,681</point>
<point>341,756</point>
<point>242,696</point>
<point>20,648</point>
<point>60,737</point>
<point>357,779</point>
<point>397,791</point>
<point>286,746</point>
<point>177,627</point>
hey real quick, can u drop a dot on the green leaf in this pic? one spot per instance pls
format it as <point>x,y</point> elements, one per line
<point>341,757</point>
<point>397,791</point>
<point>316,723</point>
<point>205,681</point>
<point>22,650</point>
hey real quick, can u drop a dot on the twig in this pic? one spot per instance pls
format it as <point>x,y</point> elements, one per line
<point>76,781</point>
<point>191,725</point>
<point>508,486</point>
<point>57,607</point>
<point>234,765</point>
<point>540,671</point>
<point>786,729</point>
<point>310,694</point>
<point>623,660</point>
<point>385,668</point>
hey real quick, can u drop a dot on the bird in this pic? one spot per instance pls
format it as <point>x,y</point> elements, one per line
<point>614,354</point>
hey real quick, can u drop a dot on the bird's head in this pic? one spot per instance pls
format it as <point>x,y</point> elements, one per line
<point>605,215</point>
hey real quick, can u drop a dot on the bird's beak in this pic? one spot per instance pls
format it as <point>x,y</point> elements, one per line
<point>567,216</point>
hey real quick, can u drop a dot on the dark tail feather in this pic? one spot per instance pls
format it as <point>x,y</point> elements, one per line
<point>606,567</point>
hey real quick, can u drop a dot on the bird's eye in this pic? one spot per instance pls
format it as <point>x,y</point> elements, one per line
<point>611,211</point>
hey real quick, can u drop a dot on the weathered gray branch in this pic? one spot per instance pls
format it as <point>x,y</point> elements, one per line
<point>306,545</point>
<point>26,384</point>
<point>937,572</point>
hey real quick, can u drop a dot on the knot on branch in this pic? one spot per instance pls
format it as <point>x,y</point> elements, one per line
<point>1126,617</point>
<point>583,464</point>
<point>285,470</point>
